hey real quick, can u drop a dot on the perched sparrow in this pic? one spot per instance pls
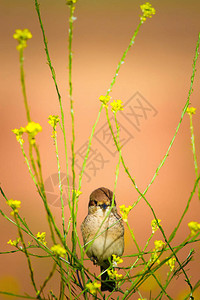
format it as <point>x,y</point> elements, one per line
<point>111,241</point>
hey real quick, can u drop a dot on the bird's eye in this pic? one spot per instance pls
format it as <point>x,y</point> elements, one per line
<point>95,202</point>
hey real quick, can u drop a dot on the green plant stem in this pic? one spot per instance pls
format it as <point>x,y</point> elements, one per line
<point>62,286</point>
<point>181,119</point>
<point>22,76</point>
<point>57,90</point>
<point>185,210</point>
<point>21,58</point>
<point>60,182</point>
<point>122,60</point>
<point>138,258</point>
<point>194,151</point>
<point>17,296</point>
<point>27,255</point>
<point>41,182</point>
<point>74,199</point>
<point>47,279</point>
<point>146,266</point>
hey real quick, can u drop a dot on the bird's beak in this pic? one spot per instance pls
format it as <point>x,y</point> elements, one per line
<point>104,206</point>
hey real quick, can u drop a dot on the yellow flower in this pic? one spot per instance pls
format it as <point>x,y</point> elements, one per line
<point>124,211</point>
<point>77,193</point>
<point>93,287</point>
<point>154,225</point>
<point>18,133</point>
<point>194,227</point>
<point>117,105</point>
<point>41,237</point>
<point>22,36</point>
<point>58,250</point>
<point>14,243</point>
<point>71,2</point>
<point>191,110</point>
<point>171,263</point>
<point>53,120</point>
<point>114,275</point>
<point>158,244</point>
<point>33,128</point>
<point>142,299</point>
<point>147,10</point>
<point>14,204</point>
<point>154,257</point>
<point>105,100</point>
<point>116,260</point>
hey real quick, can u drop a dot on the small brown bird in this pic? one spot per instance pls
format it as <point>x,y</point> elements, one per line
<point>111,241</point>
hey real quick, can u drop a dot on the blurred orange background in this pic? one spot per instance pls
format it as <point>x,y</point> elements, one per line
<point>158,66</point>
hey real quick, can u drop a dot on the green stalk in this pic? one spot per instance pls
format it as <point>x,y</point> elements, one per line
<point>27,255</point>
<point>182,115</point>
<point>194,151</point>
<point>21,58</point>
<point>60,183</point>
<point>185,210</point>
<point>74,199</point>
<point>47,279</point>
<point>146,266</point>
<point>57,90</point>
<point>122,60</point>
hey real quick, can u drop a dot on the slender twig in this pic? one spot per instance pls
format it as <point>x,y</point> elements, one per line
<point>60,182</point>
<point>27,255</point>
<point>57,90</point>
<point>47,279</point>
<point>21,58</point>
<point>194,151</point>
<point>74,198</point>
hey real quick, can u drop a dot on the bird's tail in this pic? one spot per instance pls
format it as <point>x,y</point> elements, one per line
<point>106,283</point>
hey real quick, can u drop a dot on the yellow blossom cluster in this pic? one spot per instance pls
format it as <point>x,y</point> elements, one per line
<point>15,242</point>
<point>41,237</point>
<point>116,260</point>
<point>154,257</point>
<point>58,250</point>
<point>158,246</point>
<point>22,36</point>
<point>14,204</point>
<point>114,275</point>
<point>53,120</point>
<point>124,211</point>
<point>71,2</point>
<point>104,100</point>
<point>77,193</point>
<point>154,225</point>
<point>93,287</point>
<point>171,263</point>
<point>32,129</point>
<point>194,227</point>
<point>147,11</point>
<point>191,110</point>
<point>116,105</point>
<point>18,133</point>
